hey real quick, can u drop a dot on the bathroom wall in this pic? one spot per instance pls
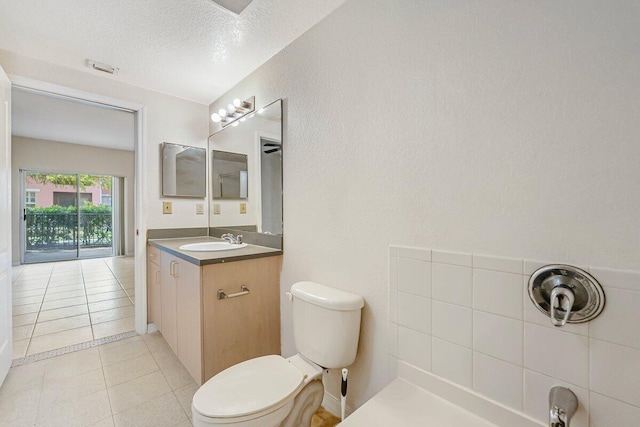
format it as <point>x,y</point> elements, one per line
<point>487,127</point>
<point>28,153</point>
<point>468,318</point>
<point>168,119</point>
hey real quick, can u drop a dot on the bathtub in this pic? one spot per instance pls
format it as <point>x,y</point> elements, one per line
<point>421,399</point>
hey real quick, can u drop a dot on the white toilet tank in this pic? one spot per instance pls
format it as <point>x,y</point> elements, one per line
<point>326,324</point>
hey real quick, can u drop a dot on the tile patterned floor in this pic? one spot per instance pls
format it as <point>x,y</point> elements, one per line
<point>133,382</point>
<point>64,303</point>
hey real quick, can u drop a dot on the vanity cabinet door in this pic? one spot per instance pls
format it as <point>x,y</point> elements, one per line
<point>243,327</point>
<point>168,313</point>
<point>154,292</point>
<point>188,318</point>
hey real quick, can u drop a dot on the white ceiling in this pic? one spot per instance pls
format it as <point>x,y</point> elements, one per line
<point>39,116</point>
<point>190,48</point>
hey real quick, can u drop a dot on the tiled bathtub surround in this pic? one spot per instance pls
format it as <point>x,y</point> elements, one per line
<point>468,318</point>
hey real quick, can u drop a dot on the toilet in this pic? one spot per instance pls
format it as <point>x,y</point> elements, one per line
<point>272,391</point>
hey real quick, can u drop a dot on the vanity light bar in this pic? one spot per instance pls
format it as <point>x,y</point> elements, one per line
<point>234,111</point>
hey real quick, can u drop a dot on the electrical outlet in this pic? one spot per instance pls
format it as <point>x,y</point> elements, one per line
<point>243,208</point>
<point>216,208</point>
<point>199,208</point>
<point>166,207</point>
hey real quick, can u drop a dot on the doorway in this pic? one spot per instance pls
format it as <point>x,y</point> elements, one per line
<point>69,216</point>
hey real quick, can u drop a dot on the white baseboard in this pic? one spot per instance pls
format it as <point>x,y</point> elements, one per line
<point>151,327</point>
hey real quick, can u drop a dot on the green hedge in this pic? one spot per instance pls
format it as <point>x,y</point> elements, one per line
<point>54,227</point>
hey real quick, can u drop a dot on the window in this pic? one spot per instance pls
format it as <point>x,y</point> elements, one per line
<point>30,199</point>
<point>105,199</point>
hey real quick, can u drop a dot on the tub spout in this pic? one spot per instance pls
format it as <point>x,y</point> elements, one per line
<point>563,403</point>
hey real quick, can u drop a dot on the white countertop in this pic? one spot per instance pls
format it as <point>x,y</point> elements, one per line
<point>402,404</point>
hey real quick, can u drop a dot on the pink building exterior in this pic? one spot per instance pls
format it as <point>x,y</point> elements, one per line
<point>42,195</point>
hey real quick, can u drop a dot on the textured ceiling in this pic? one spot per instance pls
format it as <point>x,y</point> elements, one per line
<point>190,48</point>
<point>39,116</point>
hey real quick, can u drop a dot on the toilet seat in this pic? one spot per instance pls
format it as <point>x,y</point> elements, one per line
<point>249,390</point>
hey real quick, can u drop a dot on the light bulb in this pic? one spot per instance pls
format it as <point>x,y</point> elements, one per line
<point>231,109</point>
<point>222,112</point>
<point>237,103</point>
<point>235,124</point>
<point>215,117</point>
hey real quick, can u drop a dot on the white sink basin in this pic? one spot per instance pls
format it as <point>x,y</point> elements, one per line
<point>211,246</point>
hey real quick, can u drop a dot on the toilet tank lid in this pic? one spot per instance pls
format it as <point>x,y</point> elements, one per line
<point>324,296</point>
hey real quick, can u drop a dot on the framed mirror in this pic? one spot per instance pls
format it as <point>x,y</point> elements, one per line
<point>184,171</point>
<point>230,175</point>
<point>258,140</point>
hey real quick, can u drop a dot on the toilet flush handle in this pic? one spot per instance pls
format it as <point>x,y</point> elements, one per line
<point>290,296</point>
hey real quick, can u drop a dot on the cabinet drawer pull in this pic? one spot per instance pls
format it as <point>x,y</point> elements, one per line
<point>243,291</point>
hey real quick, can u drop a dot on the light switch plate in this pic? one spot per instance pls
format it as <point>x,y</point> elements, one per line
<point>166,207</point>
<point>243,208</point>
<point>199,208</point>
<point>216,208</point>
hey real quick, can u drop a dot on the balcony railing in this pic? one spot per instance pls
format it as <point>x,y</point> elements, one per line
<point>49,231</point>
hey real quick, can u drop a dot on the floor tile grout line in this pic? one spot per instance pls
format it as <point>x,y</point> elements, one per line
<point>26,351</point>
<point>104,377</point>
<point>86,298</point>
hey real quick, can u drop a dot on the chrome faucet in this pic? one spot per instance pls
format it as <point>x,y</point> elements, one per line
<point>231,238</point>
<point>563,404</point>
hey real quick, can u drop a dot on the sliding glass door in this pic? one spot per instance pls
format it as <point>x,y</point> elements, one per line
<point>66,216</point>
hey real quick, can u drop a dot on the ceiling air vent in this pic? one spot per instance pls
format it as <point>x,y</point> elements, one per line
<point>235,6</point>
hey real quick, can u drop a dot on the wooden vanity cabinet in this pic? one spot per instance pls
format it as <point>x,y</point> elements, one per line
<point>209,334</point>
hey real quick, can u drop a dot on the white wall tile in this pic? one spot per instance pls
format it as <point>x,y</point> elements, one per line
<point>392,368</point>
<point>536,398</point>
<point>498,336</point>
<point>607,412</point>
<point>452,362</point>
<point>452,323</point>
<point>615,371</point>
<point>513,361</point>
<point>622,279</point>
<point>414,277</point>
<point>393,272</point>
<point>556,353</point>
<point>616,322</point>
<point>451,283</point>
<point>393,306</point>
<point>412,252</point>
<point>531,265</point>
<point>455,258</point>
<point>414,347</point>
<point>507,265</point>
<point>414,312</point>
<point>533,315</point>
<point>392,343</point>
<point>498,380</point>
<point>498,293</point>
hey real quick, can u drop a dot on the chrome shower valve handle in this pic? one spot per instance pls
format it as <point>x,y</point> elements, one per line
<point>561,297</point>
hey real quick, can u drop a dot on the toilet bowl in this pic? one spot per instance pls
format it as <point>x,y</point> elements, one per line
<point>260,392</point>
<point>271,391</point>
